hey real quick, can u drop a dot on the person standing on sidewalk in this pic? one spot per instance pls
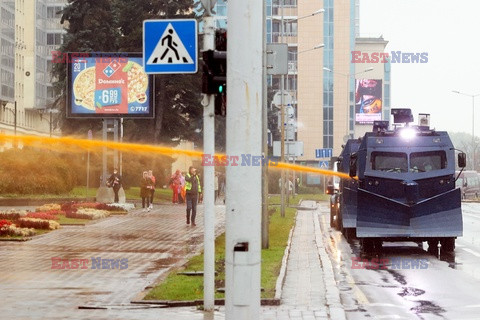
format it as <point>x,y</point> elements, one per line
<point>181,194</point>
<point>152,190</point>
<point>145,193</point>
<point>193,189</point>
<point>175,185</point>
<point>115,182</point>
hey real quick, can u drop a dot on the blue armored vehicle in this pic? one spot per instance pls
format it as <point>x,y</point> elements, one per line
<point>402,186</point>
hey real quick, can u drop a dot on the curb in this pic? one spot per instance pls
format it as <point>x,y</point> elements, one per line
<point>283,268</point>
<point>194,303</point>
<point>332,294</point>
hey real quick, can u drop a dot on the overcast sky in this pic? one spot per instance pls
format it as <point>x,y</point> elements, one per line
<point>449,32</point>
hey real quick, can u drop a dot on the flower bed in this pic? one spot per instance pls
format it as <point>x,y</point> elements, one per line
<point>12,230</point>
<point>5,223</point>
<point>98,206</point>
<point>87,213</point>
<point>49,207</point>
<point>12,214</point>
<point>37,223</point>
<point>42,215</point>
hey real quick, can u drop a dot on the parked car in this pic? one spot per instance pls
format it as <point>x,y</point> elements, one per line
<point>469,183</point>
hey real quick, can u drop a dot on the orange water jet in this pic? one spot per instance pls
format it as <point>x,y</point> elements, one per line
<point>67,143</point>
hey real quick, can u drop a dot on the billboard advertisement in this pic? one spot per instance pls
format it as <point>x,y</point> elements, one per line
<point>368,100</point>
<point>107,85</point>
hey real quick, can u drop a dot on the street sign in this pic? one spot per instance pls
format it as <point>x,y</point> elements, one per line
<point>170,46</point>
<point>277,58</point>
<point>292,148</point>
<point>323,153</point>
<point>323,164</point>
<point>277,99</point>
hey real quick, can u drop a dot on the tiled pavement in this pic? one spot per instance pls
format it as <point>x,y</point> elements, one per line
<point>151,241</point>
<point>30,289</point>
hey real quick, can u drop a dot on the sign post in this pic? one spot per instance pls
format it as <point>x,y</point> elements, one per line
<point>170,46</point>
<point>90,137</point>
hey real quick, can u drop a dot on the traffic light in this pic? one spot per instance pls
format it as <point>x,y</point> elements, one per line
<point>215,66</point>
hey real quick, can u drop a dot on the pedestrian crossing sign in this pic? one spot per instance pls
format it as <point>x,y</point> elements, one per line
<point>170,46</point>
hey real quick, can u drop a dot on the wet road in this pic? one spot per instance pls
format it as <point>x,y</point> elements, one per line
<point>440,287</point>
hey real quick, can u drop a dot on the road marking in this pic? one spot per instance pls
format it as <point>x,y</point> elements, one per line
<point>472,252</point>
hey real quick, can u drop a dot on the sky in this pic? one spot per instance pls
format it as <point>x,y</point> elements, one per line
<point>448,31</point>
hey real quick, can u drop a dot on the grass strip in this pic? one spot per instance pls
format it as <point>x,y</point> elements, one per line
<point>184,288</point>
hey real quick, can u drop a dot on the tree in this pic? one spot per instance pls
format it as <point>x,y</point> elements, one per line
<point>91,28</point>
<point>117,25</point>
<point>177,97</point>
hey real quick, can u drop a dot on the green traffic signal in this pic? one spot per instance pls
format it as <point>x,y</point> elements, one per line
<point>220,89</point>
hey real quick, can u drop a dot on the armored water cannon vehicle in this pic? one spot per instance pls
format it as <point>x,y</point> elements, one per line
<point>402,186</point>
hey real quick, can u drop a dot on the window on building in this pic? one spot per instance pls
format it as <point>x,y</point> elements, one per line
<point>54,12</point>
<point>54,39</point>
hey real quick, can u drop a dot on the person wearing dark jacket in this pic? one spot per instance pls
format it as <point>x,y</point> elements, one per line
<point>115,182</point>
<point>193,189</point>
<point>146,185</point>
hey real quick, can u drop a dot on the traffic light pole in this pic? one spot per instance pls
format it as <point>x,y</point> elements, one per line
<point>282,128</point>
<point>244,136</point>
<point>208,180</point>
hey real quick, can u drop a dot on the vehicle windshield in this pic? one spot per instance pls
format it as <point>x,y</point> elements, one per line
<point>389,161</point>
<point>419,161</point>
<point>427,161</point>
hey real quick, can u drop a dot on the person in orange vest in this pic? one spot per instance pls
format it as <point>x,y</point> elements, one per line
<point>193,189</point>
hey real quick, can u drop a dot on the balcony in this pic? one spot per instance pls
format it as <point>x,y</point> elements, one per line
<point>288,37</point>
<point>288,11</point>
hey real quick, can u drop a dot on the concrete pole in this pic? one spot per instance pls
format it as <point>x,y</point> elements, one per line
<point>208,180</point>
<point>244,136</point>
<point>104,153</point>
<point>473,132</point>
<point>265,217</point>
<point>282,128</point>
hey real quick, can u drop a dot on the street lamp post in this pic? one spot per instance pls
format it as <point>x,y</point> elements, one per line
<point>473,122</point>
<point>348,76</point>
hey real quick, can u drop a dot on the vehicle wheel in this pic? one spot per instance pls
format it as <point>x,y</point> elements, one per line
<point>378,245</point>
<point>432,245</point>
<point>368,245</point>
<point>350,233</point>
<point>448,244</point>
<point>332,215</point>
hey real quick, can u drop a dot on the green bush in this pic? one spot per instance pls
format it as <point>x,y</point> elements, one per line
<point>37,171</point>
<point>30,171</point>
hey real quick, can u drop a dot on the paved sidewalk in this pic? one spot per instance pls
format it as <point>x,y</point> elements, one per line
<point>307,291</point>
<point>151,241</point>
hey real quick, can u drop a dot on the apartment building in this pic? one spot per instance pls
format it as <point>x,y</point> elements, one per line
<point>30,30</point>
